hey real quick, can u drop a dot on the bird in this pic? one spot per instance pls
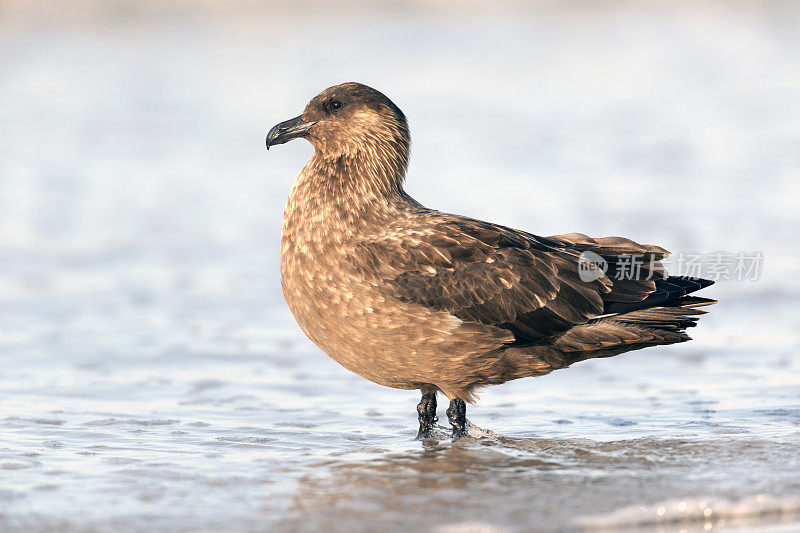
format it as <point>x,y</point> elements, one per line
<point>413,298</point>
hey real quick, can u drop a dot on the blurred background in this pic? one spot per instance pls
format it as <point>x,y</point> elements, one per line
<point>152,376</point>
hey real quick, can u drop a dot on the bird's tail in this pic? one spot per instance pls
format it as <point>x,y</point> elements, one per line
<point>664,323</point>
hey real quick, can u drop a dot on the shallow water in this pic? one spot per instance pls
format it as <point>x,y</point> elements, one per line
<point>151,375</point>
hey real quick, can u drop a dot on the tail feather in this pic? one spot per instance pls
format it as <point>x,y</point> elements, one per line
<point>649,310</point>
<point>612,335</point>
<point>668,292</point>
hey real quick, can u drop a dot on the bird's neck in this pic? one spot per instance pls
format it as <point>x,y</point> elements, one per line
<point>359,181</point>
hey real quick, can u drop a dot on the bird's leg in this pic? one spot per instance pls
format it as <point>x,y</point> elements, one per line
<point>457,415</point>
<point>426,409</point>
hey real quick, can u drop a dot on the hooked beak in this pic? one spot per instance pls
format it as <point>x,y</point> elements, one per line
<point>288,130</point>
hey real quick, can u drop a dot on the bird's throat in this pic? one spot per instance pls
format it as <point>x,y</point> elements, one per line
<point>356,180</point>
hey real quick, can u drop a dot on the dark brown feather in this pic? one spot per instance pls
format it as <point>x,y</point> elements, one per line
<point>526,284</point>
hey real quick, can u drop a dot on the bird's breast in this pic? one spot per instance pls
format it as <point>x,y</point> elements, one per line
<point>317,236</point>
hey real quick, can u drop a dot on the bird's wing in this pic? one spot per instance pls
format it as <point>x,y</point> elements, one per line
<point>639,279</point>
<point>495,275</point>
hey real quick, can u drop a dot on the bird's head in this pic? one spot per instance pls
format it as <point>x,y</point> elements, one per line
<point>350,119</point>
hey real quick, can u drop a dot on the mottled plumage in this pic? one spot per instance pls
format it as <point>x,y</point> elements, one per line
<point>413,298</point>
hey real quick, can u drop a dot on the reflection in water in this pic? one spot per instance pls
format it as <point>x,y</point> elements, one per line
<point>548,484</point>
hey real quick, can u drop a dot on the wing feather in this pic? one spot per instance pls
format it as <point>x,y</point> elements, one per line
<point>494,275</point>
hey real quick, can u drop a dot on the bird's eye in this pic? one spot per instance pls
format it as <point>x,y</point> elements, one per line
<point>336,104</point>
